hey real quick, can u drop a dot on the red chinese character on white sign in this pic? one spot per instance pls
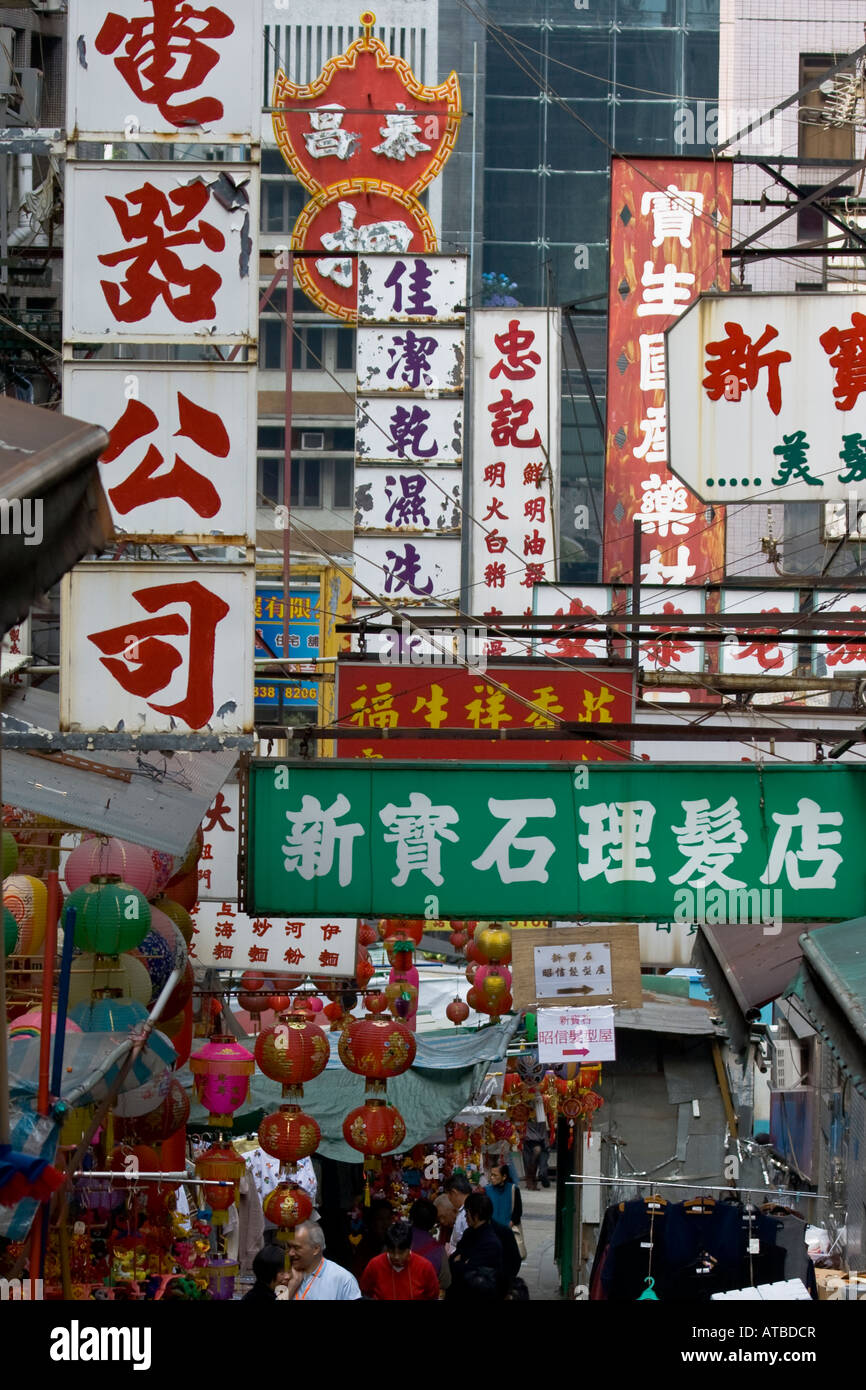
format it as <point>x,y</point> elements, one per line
<point>163,56</point>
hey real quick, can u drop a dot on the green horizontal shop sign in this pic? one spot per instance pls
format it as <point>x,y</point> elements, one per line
<point>552,840</point>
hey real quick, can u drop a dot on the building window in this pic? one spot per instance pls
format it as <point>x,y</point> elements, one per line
<point>307,348</point>
<point>345,355</point>
<point>817,139</point>
<point>343,471</point>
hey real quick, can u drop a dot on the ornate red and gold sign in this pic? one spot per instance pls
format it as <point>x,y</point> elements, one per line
<point>670,222</point>
<point>366,137</point>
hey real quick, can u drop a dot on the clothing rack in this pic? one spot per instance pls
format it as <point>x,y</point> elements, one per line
<point>777,1192</point>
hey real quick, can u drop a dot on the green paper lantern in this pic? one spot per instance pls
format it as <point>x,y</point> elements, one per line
<point>110,916</point>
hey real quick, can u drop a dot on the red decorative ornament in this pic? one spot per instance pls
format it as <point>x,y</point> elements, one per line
<point>292,1052</point>
<point>458,940</point>
<point>473,954</point>
<point>457,1011</point>
<point>377,1048</point>
<point>375,1003</point>
<point>367,935</point>
<point>470,973</point>
<point>475,1001</point>
<point>335,1014</point>
<point>278,1002</point>
<point>374,1128</point>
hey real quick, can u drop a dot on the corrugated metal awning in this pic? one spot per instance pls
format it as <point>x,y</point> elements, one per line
<point>662,1015</point>
<point>832,987</point>
<point>157,799</point>
<point>49,459</point>
<point>744,969</point>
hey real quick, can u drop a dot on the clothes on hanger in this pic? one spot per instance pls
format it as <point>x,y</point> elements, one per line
<point>695,1249</point>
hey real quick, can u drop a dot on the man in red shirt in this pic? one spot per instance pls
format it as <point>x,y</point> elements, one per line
<point>398,1274</point>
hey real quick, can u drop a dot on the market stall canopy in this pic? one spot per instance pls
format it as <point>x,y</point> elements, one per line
<point>744,969</point>
<point>157,799</point>
<point>446,1073</point>
<point>831,985</point>
<point>49,476</point>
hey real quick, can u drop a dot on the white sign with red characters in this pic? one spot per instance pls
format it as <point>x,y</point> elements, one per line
<point>759,653</point>
<point>15,651</point>
<point>153,648</point>
<point>228,939</point>
<point>182,444</point>
<point>776,411</point>
<point>515,457</point>
<point>162,253</point>
<point>576,1035</point>
<point>189,68</point>
<point>847,653</point>
<point>218,863</point>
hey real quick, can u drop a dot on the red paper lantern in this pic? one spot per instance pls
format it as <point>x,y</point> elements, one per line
<point>473,954</point>
<point>220,1162</point>
<point>364,971</point>
<point>183,889</point>
<point>374,1128</point>
<point>367,935</point>
<point>376,1047</point>
<point>279,1003</point>
<point>181,993</point>
<point>292,1052</point>
<point>160,1123</point>
<point>458,940</point>
<point>457,1011</point>
<point>475,1001</point>
<point>287,1206</point>
<point>289,1134</point>
<point>375,1003</point>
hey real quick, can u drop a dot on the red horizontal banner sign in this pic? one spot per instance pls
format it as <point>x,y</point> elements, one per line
<point>374,696</point>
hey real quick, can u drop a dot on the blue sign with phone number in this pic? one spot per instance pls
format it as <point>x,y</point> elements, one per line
<point>298,691</point>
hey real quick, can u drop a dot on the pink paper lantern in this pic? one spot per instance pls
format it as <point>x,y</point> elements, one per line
<point>99,857</point>
<point>221,1072</point>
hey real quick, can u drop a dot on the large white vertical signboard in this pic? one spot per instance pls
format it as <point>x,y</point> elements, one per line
<point>162,253</point>
<point>189,68</point>
<point>181,457</point>
<point>515,457</point>
<point>409,434</point>
<point>153,648</point>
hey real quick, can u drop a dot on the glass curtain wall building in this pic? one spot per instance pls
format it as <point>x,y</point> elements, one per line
<point>565,85</point>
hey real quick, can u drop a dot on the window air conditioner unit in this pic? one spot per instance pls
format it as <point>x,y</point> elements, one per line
<point>312,439</point>
<point>787,1062</point>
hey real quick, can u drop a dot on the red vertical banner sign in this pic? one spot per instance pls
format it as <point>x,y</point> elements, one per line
<point>670,222</point>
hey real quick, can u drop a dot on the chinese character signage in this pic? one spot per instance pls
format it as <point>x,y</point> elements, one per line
<point>515,457</point>
<point>759,653</point>
<point>304,636</point>
<point>378,697</point>
<point>767,397</point>
<point>365,138</point>
<point>227,939</point>
<point>670,222</point>
<point>15,651</point>
<point>409,429</point>
<point>150,648</point>
<point>667,650</point>
<point>218,863</point>
<point>561,970</point>
<point>552,840</point>
<point>184,68</point>
<point>406,501</point>
<point>181,455</point>
<point>423,571</point>
<point>847,652</point>
<point>576,1035</point>
<point>162,252</point>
